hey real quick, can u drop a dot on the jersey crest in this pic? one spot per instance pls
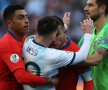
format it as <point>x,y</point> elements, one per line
<point>14,58</point>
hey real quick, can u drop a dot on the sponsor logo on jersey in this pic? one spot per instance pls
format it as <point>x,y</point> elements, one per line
<point>14,58</point>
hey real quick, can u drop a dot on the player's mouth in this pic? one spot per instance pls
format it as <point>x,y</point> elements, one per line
<point>87,14</point>
<point>26,27</point>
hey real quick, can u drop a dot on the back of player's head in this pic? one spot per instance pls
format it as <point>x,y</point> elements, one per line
<point>103,2</point>
<point>9,11</point>
<point>46,25</point>
<point>59,20</point>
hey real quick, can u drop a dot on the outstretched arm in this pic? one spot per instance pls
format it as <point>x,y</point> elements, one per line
<point>87,26</point>
<point>24,77</point>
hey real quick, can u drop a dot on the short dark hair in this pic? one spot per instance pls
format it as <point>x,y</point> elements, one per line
<point>103,2</point>
<point>59,20</point>
<point>9,11</point>
<point>46,25</point>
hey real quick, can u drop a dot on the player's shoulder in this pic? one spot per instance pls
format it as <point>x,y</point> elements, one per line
<point>73,43</point>
<point>31,37</point>
<point>4,39</point>
<point>54,52</point>
<point>6,42</point>
<point>106,26</point>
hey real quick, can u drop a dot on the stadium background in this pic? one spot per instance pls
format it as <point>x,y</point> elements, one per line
<point>39,8</point>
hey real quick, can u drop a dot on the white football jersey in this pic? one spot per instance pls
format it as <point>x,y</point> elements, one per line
<point>45,62</point>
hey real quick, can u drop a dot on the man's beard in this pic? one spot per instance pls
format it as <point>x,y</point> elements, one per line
<point>96,17</point>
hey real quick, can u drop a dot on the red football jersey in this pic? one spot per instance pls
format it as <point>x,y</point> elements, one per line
<point>10,60</point>
<point>69,75</point>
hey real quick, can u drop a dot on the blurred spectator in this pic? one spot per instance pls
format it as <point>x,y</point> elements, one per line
<point>36,7</point>
<point>3,4</point>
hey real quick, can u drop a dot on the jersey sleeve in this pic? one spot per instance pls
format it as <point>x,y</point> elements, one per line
<point>81,55</point>
<point>12,58</point>
<point>63,58</point>
<point>60,58</point>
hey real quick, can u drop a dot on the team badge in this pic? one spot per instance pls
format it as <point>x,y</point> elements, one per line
<point>106,40</point>
<point>99,40</point>
<point>14,58</point>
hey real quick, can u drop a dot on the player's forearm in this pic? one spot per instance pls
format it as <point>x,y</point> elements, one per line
<point>24,77</point>
<point>81,55</point>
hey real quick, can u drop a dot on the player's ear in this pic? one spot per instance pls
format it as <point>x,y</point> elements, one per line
<point>53,35</point>
<point>102,9</point>
<point>8,23</point>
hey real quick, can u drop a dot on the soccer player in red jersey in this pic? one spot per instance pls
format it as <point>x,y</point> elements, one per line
<point>68,76</point>
<point>12,70</point>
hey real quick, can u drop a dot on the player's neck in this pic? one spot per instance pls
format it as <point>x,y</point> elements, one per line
<point>19,37</point>
<point>100,23</point>
<point>43,41</point>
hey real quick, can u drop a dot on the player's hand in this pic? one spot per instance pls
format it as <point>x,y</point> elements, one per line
<point>53,81</point>
<point>94,59</point>
<point>87,25</point>
<point>67,18</point>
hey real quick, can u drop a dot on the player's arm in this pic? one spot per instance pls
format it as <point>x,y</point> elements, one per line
<point>23,77</point>
<point>97,57</point>
<point>71,58</point>
<point>16,65</point>
<point>87,26</point>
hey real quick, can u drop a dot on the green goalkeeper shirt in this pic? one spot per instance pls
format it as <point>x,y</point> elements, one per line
<point>99,72</point>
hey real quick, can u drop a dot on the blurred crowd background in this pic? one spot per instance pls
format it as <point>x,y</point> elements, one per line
<point>39,8</point>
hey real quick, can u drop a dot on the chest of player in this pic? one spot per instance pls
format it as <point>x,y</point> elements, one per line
<point>98,40</point>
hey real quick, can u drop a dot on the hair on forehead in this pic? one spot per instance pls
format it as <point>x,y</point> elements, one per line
<point>59,20</point>
<point>9,11</point>
<point>46,25</point>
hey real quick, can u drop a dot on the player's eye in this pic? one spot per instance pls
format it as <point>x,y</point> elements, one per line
<point>20,17</point>
<point>90,5</point>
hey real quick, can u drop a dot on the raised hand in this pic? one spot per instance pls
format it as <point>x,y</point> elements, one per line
<point>87,25</point>
<point>67,18</point>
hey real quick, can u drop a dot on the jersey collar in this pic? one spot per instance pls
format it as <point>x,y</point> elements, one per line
<point>67,44</point>
<point>37,43</point>
<point>12,34</point>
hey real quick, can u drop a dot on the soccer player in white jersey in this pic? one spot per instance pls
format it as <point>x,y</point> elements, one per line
<point>44,61</point>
